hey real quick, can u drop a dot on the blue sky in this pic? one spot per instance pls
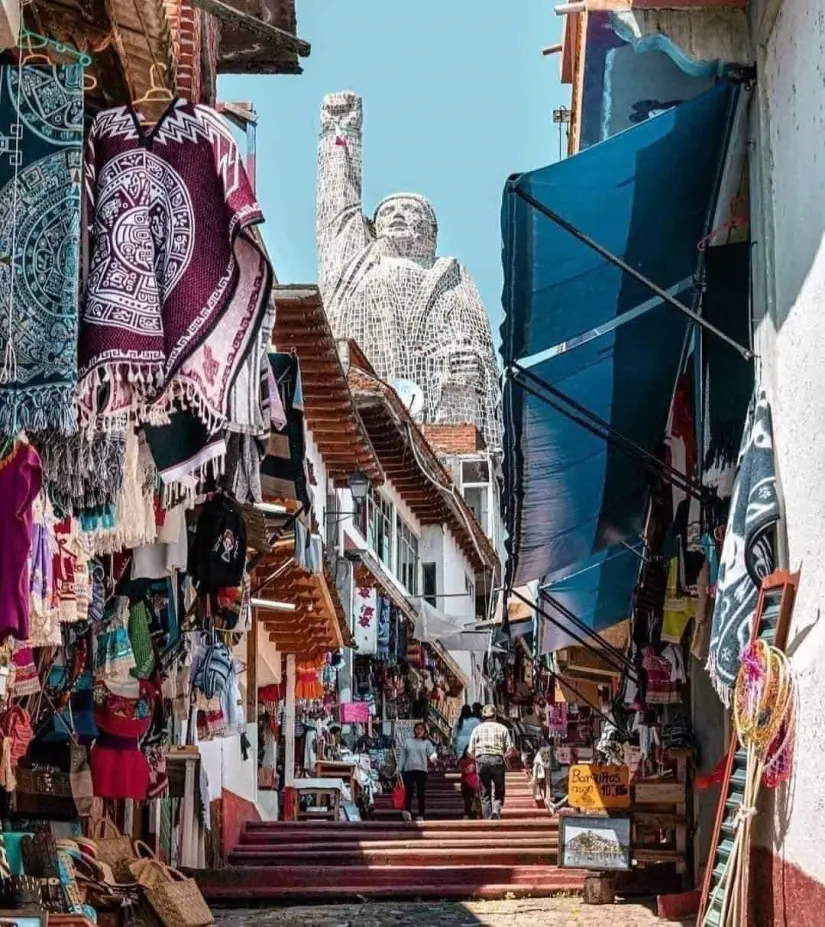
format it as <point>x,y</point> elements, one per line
<point>456,97</point>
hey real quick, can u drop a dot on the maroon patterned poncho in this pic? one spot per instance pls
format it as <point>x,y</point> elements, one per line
<point>178,282</point>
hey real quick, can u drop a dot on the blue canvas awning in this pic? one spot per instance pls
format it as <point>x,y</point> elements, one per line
<point>591,354</point>
<point>596,590</point>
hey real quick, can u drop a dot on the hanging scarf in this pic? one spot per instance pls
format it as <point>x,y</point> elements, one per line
<point>40,230</point>
<point>84,471</point>
<point>178,281</point>
<point>748,550</point>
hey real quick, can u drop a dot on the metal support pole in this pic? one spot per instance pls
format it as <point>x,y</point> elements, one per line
<point>626,268</point>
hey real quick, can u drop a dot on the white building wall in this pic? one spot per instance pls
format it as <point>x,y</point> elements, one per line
<point>788,192</point>
<point>436,545</point>
<point>318,493</point>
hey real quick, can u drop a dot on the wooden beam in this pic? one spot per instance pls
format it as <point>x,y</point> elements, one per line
<point>234,17</point>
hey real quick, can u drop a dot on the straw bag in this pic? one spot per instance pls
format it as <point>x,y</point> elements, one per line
<point>176,900</point>
<point>118,851</point>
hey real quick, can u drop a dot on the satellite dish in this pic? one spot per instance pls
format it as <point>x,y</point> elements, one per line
<point>410,394</point>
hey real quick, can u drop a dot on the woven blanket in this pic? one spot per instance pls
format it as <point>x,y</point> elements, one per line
<point>178,279</point>
<point>748,549</point>
<point>40,173</point>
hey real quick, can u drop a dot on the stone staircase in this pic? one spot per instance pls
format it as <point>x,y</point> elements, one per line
<point>440,857</point>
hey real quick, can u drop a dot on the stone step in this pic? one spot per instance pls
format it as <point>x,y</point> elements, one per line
<point>389,813</point>
<point>397,857</point>
<point>454,801</point>
<point>493,881</point>
<point>377,838</point>
<point>402,843</point>
<point>329,827</point>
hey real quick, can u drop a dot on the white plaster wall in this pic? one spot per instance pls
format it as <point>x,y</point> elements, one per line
<point>319,491</point>
<point>789,146</point>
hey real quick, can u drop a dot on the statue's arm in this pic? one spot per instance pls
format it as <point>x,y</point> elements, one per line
<point>341,229</point>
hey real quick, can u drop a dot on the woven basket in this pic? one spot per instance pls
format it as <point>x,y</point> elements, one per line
<point>179,902</point>
<point>118,851</point>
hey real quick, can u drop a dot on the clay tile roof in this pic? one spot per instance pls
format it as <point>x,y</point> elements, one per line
<point>413,467</point>
<point>331,415</point>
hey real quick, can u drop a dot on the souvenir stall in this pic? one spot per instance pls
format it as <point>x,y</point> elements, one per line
<point>137,405</point>
<point>396,681</point>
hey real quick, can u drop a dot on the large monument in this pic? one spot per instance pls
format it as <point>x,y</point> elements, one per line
<point>417,317</point>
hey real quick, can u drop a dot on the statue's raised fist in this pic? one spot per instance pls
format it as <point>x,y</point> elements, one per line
<point>342,110</point>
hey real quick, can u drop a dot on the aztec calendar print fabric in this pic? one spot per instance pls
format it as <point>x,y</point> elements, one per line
<point>178,284</point>
<point>41,161</point>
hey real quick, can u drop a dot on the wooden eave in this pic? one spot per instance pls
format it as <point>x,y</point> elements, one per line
<point>257,36</point>
<point>124,38</point>
<point>392,432</point>
<point>331,414</point>
<point>318,623</point>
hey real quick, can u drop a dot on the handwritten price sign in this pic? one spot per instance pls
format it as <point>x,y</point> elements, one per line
<point>597,788</point>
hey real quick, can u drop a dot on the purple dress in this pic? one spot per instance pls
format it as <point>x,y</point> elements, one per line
<point>20,482</point>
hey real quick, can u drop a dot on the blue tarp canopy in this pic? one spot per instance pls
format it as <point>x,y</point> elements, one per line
<point>596,590</point>
<point>577,328</point>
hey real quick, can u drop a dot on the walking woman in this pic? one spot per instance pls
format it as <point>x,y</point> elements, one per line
<point>416,754</point>
<point>464,727</point>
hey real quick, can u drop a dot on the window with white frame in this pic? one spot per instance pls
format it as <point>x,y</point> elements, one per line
<point>407,546</point>
<point>475,485</point>
<point>380,527</point>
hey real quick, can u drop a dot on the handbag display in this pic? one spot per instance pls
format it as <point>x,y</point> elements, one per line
<point>118,851</point>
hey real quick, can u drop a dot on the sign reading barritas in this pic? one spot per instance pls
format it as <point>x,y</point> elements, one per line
<point>592,788</point>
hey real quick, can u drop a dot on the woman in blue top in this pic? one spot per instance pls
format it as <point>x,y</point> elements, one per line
<point>466,724</point>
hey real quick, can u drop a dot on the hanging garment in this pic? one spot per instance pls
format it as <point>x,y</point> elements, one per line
<point>282,470</point>
<point>20,480</point>
<point>178,281</point>
<point>184,452</point>
<point>44,623</point>
<point>249,404</point>
<point>40,228</point>
<point>678,609</point>
<point>84,471</point>
<point>748,551</point>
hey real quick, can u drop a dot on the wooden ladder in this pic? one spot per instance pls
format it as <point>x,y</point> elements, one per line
<point>771,624</point>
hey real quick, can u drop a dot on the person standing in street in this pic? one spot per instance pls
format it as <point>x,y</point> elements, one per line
<point>466,724</point>
<point>416,754</point>
<point>490,744</point>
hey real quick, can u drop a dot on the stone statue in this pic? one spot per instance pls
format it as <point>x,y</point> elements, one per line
<point>416,316</point>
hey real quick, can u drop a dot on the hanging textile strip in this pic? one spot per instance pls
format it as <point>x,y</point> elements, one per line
<point>166,322</point>
<point>748,550</point>
<point>40,173</point>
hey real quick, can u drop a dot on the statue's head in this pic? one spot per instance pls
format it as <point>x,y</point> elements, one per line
<point>407,221</point>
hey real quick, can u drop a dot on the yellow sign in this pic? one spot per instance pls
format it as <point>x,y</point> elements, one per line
<point>594,788</point>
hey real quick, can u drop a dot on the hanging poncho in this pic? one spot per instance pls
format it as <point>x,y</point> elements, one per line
<point>40,179</point>
<point>178,282</point>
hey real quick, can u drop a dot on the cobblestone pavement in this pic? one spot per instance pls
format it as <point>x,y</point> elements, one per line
<point>559,912</point>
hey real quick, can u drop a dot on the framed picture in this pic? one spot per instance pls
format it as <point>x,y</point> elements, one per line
<point>30,917</point>
<point>594,842</point>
